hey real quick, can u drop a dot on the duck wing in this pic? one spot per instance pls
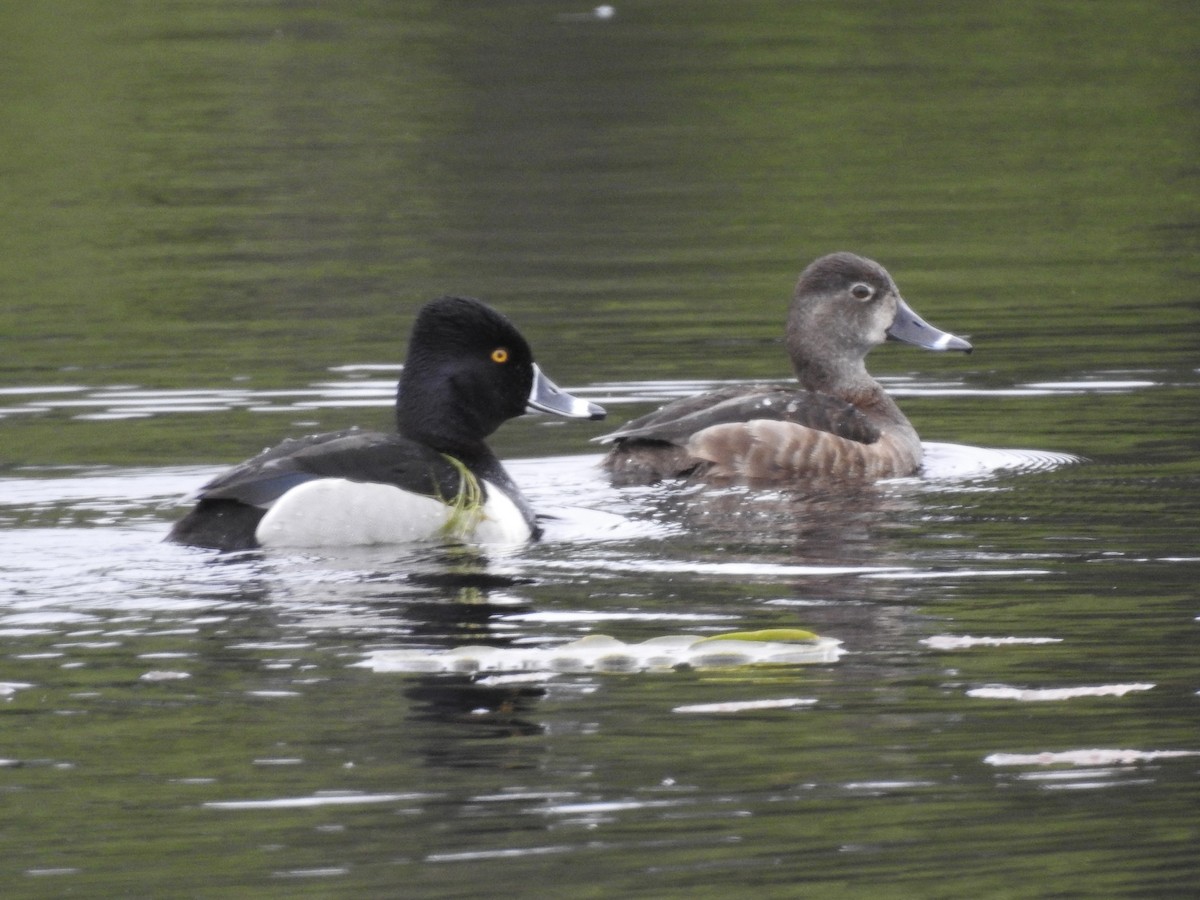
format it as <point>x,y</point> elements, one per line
<point>677,421</point>
<point>363,456</point>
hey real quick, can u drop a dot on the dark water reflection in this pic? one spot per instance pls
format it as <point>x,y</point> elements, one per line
<point>234,678</point>
<point>219,220</point>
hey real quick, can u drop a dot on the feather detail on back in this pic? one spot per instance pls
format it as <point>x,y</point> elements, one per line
<point>772,451</point>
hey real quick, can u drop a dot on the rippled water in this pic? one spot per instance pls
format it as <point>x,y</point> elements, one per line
<point>253,706</point>
<point>221,219</point>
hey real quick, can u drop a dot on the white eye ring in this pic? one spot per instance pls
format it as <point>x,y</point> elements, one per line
<point>861,291</point>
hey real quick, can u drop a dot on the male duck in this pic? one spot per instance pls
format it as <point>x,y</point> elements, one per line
<point>839,424</point>
<point>468,370</point>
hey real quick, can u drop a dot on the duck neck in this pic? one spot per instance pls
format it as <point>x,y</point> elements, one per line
<point>474,452</point>
<point>850,382</point>
<point>439,413</point>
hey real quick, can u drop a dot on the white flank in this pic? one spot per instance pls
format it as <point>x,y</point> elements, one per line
<point>335,512</point>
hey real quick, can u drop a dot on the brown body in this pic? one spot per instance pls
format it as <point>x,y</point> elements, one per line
<point>837,423</point>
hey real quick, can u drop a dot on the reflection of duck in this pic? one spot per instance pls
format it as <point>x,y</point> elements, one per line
<point>839,424</point>
<point>486,710</point>
<point>468,370</point>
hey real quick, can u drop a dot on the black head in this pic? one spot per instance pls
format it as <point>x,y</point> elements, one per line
<point>468,370</point>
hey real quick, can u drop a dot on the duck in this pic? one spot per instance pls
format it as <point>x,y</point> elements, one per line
<point>837,424</point>
<point>467,371</point>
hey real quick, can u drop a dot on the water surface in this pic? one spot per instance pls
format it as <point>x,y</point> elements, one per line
<point>220,220</point>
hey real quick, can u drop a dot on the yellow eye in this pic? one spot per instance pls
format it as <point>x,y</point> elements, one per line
<point>500,355</point>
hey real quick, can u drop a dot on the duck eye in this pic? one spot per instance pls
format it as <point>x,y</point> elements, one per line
<point>862,291</point>
<point>500,355</point>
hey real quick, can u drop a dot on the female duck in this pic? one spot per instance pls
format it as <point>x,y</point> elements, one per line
<point>839,424</point>
<point>468,370</point>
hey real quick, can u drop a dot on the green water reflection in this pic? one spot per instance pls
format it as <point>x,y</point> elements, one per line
<point>205,195</point>
<point>199,190</point>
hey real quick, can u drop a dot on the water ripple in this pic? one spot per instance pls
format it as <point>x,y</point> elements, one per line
<point>1004,692</point>
<point>1092,757</point>
<point>333,798</point>
<point>136,401</point>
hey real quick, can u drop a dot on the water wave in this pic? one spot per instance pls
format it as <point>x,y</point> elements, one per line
<point>961,462</point>
<point>356,388</point>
